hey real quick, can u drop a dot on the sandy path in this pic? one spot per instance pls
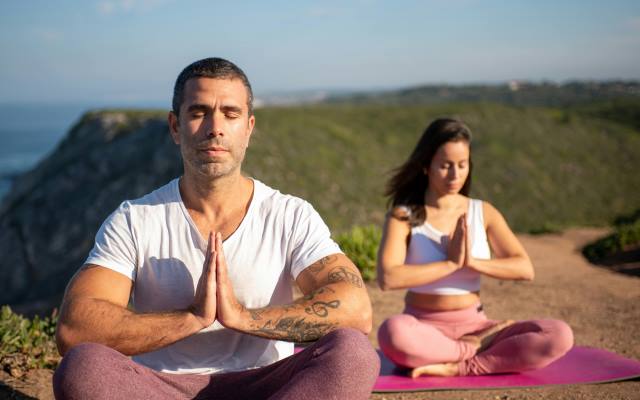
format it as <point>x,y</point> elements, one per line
<point>601,306</point>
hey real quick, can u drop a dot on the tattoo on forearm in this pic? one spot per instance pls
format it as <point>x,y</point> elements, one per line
<point>313,294</point>
<point>321,264</point>
<point>342,274</point>
<point>321,308</point>
<point>256,314</point>
<point>316,308</point>
<point>294,329</point>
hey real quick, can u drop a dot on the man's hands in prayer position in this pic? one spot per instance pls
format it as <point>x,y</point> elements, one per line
<point>204,305</point>
<point>335,296</point>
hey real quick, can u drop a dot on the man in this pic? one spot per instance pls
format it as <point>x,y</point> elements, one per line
<point>207,263</point>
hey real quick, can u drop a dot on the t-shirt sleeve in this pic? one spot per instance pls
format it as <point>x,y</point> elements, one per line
<point>311,239</point>
<point>114,247</point>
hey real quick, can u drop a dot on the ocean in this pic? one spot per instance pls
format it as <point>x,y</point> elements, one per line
<point>29,132</point>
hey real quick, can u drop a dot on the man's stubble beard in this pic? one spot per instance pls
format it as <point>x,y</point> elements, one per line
<point>212,170</point>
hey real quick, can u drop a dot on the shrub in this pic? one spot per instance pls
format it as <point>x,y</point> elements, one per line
<point>626,235</point>
<point>360,244</point>
<point>27,344</point>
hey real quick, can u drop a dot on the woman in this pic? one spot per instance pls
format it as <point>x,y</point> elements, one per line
<point>437,242</point>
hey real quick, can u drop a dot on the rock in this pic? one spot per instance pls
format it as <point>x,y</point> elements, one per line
<point>49,220</point>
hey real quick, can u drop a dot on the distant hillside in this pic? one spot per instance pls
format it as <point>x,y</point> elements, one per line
<point>545,168</point>
<point>517,93</point>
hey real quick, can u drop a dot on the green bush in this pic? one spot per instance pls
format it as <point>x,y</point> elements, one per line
<point>626,235</point>
<point>360,244</point>
<point>27,344</point>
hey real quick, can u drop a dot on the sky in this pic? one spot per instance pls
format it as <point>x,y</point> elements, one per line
<point>130,51</point>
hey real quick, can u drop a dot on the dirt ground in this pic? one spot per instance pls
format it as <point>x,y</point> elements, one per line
<point>600,305</point>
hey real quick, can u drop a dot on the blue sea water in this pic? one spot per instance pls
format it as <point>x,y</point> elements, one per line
<point>29,132</point>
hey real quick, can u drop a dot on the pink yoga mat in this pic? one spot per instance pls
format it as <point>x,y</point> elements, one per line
<point>580,365</point>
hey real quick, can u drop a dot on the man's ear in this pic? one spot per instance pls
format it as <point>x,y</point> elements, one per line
<point>251,124</point>
<point>172,119</point>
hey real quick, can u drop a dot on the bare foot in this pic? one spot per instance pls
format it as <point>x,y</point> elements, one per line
<point>484,338</point>
<point>443,369</point>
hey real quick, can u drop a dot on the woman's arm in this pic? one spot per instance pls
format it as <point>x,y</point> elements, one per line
<point>511,260</point>
<point>393,273</point>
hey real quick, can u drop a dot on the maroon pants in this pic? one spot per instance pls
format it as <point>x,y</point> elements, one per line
<point>340,365</point>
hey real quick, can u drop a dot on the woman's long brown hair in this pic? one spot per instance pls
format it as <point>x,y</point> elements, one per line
<point>408,183</point>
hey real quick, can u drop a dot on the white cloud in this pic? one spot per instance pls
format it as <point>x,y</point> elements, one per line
<point>108,7</point>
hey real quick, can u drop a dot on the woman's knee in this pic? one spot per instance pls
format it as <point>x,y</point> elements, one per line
<point>554,339</point>
<point>561,337</point>
<point>397,339</point>
<point>397,332</point>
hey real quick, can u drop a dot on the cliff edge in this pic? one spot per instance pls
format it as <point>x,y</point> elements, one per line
<point>49,219</point>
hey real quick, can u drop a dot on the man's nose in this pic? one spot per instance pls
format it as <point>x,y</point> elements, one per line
<point>215,126</point>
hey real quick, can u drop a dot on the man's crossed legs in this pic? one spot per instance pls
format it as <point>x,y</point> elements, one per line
<point>340,365</point>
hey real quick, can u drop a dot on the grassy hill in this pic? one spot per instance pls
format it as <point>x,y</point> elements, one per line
<point>544,168</point>
<point>519,93</point>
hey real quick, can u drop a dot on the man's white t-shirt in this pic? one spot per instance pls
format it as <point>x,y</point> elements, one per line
<point>154,242</point>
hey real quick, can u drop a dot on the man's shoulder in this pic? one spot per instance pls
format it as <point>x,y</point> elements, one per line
<point>273,200</point>
<point>160,198</point>
<point>168,193</point>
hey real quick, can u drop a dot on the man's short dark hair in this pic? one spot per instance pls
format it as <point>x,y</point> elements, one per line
<point>216,68</point>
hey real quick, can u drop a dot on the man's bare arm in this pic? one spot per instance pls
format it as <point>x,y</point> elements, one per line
<point>94,309</point>
<point>335,297</point>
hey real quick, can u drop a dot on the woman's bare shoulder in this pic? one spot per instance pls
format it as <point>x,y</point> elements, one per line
<point>491,214</point>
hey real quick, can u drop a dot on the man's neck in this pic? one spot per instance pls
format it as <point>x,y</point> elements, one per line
<point>214,199</point>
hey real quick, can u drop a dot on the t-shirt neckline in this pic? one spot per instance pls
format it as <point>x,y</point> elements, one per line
<point>202,242</point>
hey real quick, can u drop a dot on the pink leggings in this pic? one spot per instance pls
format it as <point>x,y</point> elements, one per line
<point>418,337</point>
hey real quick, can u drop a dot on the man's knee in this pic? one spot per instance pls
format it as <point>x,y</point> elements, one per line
<point>83,370</point>
<point>352,353</point>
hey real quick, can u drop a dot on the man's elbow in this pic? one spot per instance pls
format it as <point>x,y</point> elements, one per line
<point>366,321</point>
<point>64,338</point>
<point>360,316</point>
<point>67,338</point>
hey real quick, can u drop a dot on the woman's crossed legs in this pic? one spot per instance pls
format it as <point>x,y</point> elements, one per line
<point>465,342</point>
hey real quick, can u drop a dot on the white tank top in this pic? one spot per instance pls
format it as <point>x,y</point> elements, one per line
<point>430,245</point>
